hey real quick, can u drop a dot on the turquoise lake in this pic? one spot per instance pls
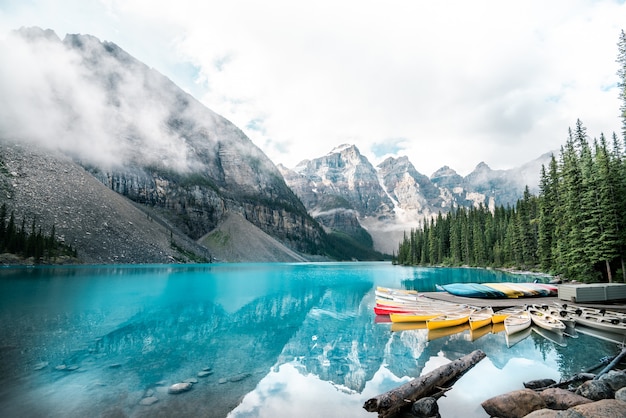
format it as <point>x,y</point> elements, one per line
<point>262,340</point>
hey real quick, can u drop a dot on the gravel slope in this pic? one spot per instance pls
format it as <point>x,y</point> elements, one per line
<point>102,225</point>
<point>237,240</point>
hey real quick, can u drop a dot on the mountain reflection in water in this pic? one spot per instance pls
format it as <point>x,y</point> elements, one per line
<point>258,340</point>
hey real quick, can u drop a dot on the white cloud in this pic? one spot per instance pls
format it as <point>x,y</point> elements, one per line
<point>447,83</point>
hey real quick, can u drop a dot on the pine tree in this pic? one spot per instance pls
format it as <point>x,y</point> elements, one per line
<point>621,72</point>
<point>607,207</point>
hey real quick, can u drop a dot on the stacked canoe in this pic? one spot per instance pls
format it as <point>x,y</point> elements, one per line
<point>499,290</point>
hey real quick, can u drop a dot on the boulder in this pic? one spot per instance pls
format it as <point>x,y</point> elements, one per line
<point>556,398</point>
<point>620,395</point>
<point>544,413</point>
<point>538,384</point>
<point>177,388</point>
<point>425,408</point>
<point>595,390</point>
<point>516,404</point>
<point>605,408</point>
<point>616,379</point>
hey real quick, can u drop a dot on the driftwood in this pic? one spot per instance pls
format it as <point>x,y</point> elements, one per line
<point>612,364</point>
<point>579,377</point>
<point>389,403</point>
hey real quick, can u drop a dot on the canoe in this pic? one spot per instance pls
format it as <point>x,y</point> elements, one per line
<point>472,290</point>
<point>386,310</point>
<point>421,315</point>
<point>602,335</point>
<point>563,315</point>
<point>517,322</point>
<point>546,321</point>
<point>526,291</point>
<point>555,337</point>
<point>512,339</point>
<point>396,294</point>
<point>480,332</point>
<point>434,334</point>
<point>607,323</point>
<point>552,289</point>
<point>508,291</point>
<point>392,290</point>
<point>407,326</point>
<point>481,317</point>
<point>450,319</point>
<point>537,289</point>
<point>577,310</point>
<point>497,327</point>
<point>499,316</point>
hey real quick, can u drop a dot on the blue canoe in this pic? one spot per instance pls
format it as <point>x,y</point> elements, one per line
<point>472,290</point>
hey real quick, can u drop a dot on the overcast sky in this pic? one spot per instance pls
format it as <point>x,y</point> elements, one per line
<point>442,82</point>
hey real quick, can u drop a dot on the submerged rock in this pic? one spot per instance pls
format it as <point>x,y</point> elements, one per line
<point>177,388</point>
<point>40,366</point>
<point>239,377</point>
<point>204,373</point>
<point>149,400</point>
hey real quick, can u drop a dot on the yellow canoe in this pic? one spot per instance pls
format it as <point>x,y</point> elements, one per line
<point>480,317</point>
<point>417,316</point>
<point>449,319</point>
<point>480,332</point>
<point>500,316</point>
<point>510,292</point>
<point>407,326</point>
<point>497,327</point>
<point>433,334</point>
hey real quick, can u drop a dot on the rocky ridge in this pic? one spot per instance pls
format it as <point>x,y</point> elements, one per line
<point>344,191</point>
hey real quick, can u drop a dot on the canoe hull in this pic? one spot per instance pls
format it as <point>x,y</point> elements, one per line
<point>517,323</point>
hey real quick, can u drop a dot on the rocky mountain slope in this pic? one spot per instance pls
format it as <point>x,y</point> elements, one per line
<point>345,192</point>
<point>105,227</point>
<point>139,135</point>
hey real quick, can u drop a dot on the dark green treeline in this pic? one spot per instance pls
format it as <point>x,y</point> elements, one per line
<point>575,228</point>
<point>17,239</point>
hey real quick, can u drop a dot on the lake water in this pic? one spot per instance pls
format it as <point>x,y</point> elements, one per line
<point>273,340</point>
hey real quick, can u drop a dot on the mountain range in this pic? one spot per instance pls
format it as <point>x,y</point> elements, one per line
<point>128,167</point>
<point>344,191</point>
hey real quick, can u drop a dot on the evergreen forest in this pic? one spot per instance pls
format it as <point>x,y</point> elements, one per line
<point>17,239</point>
<point>575,228</point>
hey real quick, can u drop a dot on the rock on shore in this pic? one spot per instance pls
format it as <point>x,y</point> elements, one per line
<point>601,398</point>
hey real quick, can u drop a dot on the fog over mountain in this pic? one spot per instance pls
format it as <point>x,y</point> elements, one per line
<point>195,172</point>
<point>143,137</point>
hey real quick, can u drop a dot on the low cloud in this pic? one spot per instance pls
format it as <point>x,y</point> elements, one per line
<point>85,101</point>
